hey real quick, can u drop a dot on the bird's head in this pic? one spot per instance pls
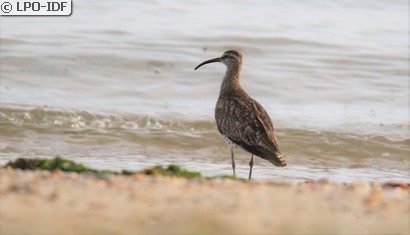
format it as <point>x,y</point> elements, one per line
<point>230,58</point>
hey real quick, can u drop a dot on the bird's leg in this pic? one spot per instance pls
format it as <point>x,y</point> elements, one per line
<point>251,165</point>
<point>233,163</point>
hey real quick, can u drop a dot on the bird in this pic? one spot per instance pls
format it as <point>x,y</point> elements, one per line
<point>242,120</point>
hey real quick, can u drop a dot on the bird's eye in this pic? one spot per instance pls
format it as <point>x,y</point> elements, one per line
<point>225,56</point>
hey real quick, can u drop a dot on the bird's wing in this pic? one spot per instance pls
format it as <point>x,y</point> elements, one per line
<point>266,122</point>
<point>246,123</point>
<point>235,120</point>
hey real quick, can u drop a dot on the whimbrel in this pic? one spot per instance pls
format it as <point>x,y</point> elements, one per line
<point>242,120</point>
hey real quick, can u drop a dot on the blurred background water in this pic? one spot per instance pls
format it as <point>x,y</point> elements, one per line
<point>113,85</point>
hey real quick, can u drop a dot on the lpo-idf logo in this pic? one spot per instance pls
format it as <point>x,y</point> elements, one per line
<point>35,7</point>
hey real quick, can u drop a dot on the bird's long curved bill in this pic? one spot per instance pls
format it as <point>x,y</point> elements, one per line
<point>208,61</point>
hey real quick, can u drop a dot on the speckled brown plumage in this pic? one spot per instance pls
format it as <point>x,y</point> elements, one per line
<point>241,119</point>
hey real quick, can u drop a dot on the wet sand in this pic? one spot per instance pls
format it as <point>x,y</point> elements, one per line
<point>42,202</point>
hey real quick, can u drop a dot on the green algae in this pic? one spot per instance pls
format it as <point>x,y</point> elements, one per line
<point>48,164</point>
<point>63,164</point>
<point>59,163</point>
<point>171,170</point>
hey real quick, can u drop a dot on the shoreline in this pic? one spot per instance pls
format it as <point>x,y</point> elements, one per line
<point>58,202</point>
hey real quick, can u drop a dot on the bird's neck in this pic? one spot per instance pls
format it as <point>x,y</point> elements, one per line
<point>231,82</point>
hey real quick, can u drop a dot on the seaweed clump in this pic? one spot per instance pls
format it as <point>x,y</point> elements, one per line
<point>171,170</point>
<point>59,163</point>
<point>48,164</point>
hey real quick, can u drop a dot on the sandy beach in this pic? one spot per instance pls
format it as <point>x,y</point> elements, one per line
<point>57,202</point>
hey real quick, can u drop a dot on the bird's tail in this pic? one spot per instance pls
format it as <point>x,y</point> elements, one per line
<point>278,160</point>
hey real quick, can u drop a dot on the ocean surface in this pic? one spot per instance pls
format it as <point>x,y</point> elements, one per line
<point>113,85</point>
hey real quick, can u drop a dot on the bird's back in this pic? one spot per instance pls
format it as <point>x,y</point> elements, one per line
<point>245,122</point>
